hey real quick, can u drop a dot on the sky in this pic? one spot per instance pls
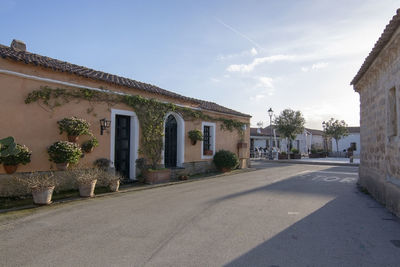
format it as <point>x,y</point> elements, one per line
<point>246,55</point>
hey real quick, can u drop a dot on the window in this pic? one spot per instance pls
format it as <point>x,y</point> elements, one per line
<point>207,138</point>
<point>392,113</point>
<point>353,146</point>
<point>208,143</point>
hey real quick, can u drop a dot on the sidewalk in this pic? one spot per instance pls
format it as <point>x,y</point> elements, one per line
<point>317,161</point>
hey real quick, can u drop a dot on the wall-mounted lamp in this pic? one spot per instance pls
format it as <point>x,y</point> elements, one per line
<point>104,124</point>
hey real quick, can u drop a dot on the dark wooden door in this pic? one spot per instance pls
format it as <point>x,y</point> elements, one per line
<point>122,145</point>
<point>171,138</point>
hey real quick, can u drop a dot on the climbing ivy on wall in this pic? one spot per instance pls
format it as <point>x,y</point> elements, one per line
<point>150,113</point>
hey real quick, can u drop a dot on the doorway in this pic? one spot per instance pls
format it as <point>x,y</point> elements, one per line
<point>171,141</point>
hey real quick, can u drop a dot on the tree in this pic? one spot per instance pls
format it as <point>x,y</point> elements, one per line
<point>335,129</point>
<point>289,124</point>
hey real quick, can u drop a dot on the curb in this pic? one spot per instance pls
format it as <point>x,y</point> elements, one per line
<point>123,191</point>
<point>294,161</point>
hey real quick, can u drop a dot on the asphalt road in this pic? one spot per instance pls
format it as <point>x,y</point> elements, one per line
<point>279,215</point>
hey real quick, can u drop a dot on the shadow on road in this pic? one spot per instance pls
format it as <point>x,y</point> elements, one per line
<point>350,230</point>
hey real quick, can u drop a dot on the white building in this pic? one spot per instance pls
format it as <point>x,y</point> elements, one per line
<point>260,137</point>
<point>352,140</point>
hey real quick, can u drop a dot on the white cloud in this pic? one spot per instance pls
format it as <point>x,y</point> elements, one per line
<point>253,51</point>
<point>257,61</point>
<point>215,80</point>
<point>319,65</point>
<point>257,97</point>
<point>265,82</point>
<point>316,66</point>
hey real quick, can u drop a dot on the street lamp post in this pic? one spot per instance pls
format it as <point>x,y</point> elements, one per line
<point>270,113</point>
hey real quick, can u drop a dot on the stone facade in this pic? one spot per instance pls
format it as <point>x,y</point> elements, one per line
<point>379,89</point>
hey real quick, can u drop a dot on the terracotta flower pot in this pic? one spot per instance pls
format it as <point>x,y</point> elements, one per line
<point>193,142</point>
<point>114,185</point>
<point>10,169</point>
<point>157,176</point>
<point>73,138</point>
<point>42,196</point>
<point>87,190</point>
<point>62,166</point>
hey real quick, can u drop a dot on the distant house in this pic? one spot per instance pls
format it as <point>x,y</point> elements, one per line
<point>378,83</point>
<point>304,142</point>
<point>351,140</point>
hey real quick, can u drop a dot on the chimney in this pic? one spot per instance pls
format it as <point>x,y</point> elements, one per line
<point>18,45</point>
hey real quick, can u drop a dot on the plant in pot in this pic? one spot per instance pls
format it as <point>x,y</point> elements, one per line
<point>142,166</point>
<point>74,127</point>
<point>41,185</point>
<point>225,160</point>
<point>21,155</point>
<point>282,155</point>
<point>295,154</point>
<point>86,180</point>
<point>62,153</point>
<point>195,135</point>
<point>90,144</point>
<point>102,164</point>
<point>112,180</point>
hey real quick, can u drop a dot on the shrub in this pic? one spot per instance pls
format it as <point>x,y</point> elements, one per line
<point>295,151</point>
<point>64,151</point>
<point>102,163</point>
<point>89,144</point>
<point>86,176</point>
<point>37,181</point>
<point>73,126</point>
<point>107,178</point>
<point>22,156</point>
<point>225,159</point>
<point>195,135</point>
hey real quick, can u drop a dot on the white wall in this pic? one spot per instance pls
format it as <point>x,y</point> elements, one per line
<point>305,142</point>
<point>345,142</point>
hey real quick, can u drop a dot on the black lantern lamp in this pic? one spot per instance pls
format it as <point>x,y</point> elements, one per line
<point>104,124</point>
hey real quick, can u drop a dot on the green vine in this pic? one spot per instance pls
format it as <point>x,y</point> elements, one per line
<point>150,113</point>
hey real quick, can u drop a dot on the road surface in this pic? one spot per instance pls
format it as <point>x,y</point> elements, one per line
<point>278,215</point>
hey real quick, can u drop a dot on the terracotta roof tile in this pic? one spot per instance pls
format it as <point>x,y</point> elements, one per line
<point>379,45</point>
<point>58,65</point>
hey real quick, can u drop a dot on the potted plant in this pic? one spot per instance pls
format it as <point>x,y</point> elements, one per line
<point>21,155</point>
<point>90,144</point>
<point>195,135</point>
<point>282,155</point>
<point>112,180</point>
<point>295,154</point>
<point>7,146</point>
<point>86,180</point>
<point>41,186</point>
<point>142,166</point>
<point>225,160</point>
<point>74,127</point>
<point>62,153</point>
<point>102,163</point>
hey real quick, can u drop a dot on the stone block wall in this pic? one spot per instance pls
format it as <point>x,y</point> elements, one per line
<point>380,156</point>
